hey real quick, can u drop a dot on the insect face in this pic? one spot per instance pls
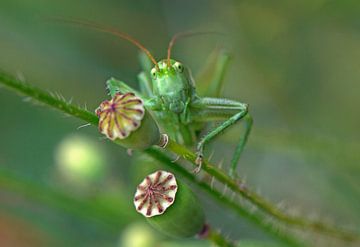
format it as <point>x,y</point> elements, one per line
<point>173,84</point>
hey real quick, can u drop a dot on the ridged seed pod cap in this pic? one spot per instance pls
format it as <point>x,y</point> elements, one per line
<point>123,119</point>
<point>169,206</point>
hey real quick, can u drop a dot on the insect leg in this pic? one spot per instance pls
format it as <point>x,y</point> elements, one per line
<point>240,146</point>
<point>210,79</point>
<point>214,109</point>
<point>145,62</point>
<point>144,76</point>
<point>145,84</point>
<point>114,86</point>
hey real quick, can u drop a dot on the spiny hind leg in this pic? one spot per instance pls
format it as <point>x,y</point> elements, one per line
<point>240,146</point>
<point>210,80</point>
<point>212,109</point>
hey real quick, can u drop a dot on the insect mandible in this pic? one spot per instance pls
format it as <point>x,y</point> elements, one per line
<point>169,93</point>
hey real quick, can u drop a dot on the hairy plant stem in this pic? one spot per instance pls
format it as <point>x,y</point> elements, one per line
<point>218,239</point>
<point>218,196</point>
<point>236,186</point>
<point>240,187</point>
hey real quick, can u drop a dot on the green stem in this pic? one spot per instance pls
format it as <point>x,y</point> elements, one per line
<point>218,239</point>
<point>47,98</point>
<point>92,210</point>
<point>217,195</point>
<point>240,188</point>
<point>256,199</point>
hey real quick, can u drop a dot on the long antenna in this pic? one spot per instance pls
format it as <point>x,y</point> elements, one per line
<point>109,30</point>
<point>183,35</point>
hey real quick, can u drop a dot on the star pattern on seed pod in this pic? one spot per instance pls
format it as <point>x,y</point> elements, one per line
<point>155,193</point>
<point>120,116</point>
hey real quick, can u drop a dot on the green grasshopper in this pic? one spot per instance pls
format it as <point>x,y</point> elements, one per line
<point>169,93</point>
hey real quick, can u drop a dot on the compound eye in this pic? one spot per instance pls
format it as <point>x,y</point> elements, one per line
<point>153,73</point>
<point>179,67</point>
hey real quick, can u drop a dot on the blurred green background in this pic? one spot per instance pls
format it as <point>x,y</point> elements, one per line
<point>295,62</point>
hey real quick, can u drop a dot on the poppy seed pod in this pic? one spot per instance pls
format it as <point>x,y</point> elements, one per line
<point>123,119</point>
<point>169,206</point>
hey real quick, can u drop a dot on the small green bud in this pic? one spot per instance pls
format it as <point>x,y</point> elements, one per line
<point>139,234</point>
<point>169,206</point>
<point>80,160</point>
<point>123,119</point>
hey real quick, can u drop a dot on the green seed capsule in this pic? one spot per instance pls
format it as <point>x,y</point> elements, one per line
<point>169,206</point>
<point>123,119</point>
